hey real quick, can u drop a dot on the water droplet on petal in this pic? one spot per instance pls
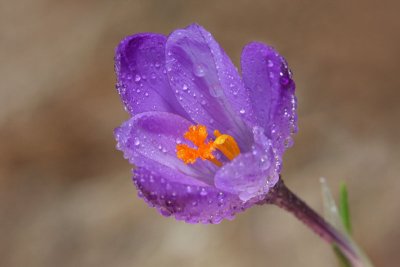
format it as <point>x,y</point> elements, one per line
<point>137,142</point>
<point>242,111</point>
<point>264,162</point>
<point>288,142</point>
<point>137,78</point>
<point>199,70</point>
<point>203,192</point>
<point>284,81</point>
<point>184,87</point>
<point>216,90</point>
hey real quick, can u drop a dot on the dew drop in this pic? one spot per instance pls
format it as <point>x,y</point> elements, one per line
<point>289,142</point>
<point>137,142</point>
<point>242,111</point>
<point>184,87</point>
<point>284,81</point>
<point>137,78</point>
<point>199,70</point>
<point>203,192</point>
<point>216,90</point>
<point>264,162</point>
<point>270,63</point>
<point>165,212</point>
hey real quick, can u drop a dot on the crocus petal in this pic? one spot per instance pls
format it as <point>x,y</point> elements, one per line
<point>149,140</point>
<point>272,92</point>
<point>251,174</point>
<point>141,75</point>
<point>191,203</point>
<point>206,82</point>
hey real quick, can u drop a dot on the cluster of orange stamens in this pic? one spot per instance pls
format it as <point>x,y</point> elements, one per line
<point>197,134</point>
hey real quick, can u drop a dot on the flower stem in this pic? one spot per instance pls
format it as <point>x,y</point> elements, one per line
<point>282,197</point>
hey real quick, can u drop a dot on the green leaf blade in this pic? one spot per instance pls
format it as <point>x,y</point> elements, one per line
<point>344,209</point>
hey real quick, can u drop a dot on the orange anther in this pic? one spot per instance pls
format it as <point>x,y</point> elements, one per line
<point>197,134</point>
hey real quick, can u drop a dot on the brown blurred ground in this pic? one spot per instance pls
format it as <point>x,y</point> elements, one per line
<point>66,197</point>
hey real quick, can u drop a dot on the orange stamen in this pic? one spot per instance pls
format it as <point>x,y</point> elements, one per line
<point>227,145</point>
<point>197,134</point>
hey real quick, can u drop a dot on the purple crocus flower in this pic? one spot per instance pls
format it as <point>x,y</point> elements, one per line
<point>180,91</point>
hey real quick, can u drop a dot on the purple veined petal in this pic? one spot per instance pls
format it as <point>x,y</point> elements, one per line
<point>142,81</point>
<point>149,140</point>
<point>191,203</point>
<point>206,82</point>
<point>272,92</point>
<point>250,175</point>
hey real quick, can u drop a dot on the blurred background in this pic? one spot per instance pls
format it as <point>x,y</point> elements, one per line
<point>66,196</point>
